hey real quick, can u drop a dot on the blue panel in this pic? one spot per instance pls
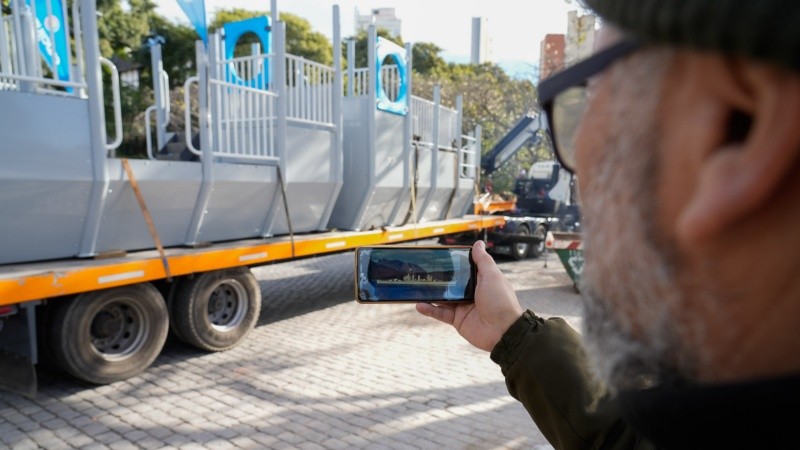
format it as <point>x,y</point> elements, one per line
<point>260,26</point>
<point>383,49</point>
<point>52,25</point>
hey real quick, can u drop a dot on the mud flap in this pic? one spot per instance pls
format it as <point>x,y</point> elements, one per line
<point>18,354</point>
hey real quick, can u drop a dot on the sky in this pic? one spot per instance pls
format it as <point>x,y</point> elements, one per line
<point>516,28</point>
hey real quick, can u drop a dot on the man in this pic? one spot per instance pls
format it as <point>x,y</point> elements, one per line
<point>684,129</point>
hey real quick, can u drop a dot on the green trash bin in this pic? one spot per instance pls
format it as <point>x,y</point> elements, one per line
<point>569,248</point>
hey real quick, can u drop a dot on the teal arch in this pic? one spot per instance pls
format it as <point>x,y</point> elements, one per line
<point>385,48</point>
<point>261,27</point>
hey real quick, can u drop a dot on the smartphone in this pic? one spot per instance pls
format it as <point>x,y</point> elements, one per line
<point>397,274</point>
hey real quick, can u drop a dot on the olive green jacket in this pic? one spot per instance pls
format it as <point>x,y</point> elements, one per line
<point>546,369</point>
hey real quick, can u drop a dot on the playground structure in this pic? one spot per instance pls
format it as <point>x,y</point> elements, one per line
<point>283,147</point>
<point>405,157</point>
<point>287,159</point>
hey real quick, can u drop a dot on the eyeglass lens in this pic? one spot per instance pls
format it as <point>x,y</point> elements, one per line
<point>568,108</point>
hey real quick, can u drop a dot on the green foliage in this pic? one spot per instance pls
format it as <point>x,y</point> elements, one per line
<point>302,40</point>
<point>426,59</point>
<point>121,32</point>
<point>177,55</point>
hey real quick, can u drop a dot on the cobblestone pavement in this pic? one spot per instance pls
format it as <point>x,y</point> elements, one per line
<point>319,372</point>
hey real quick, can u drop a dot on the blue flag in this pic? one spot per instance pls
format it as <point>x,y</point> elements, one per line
<point>196,12</point>
<point>51,27</point>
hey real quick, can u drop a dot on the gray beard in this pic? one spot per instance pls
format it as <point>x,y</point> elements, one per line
<point>628,282</point>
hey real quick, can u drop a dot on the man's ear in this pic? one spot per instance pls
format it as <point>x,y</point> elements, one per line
<point>758,153</point>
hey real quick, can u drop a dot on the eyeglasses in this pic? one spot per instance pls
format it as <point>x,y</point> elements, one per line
<point>563,98</point>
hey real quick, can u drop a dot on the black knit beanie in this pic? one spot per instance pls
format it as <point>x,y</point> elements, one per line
<point>768,30</point>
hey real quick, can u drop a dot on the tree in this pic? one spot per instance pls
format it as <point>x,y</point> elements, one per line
<point>492,99</point>
<point>301,39</point>
<point>426,59</point>
<point>178,55</point>
<point>121,32</point>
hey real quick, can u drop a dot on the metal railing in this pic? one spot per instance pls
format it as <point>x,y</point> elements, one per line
<point>422,112</point>
<point>309,90</point>
<point>359,82</point>
<point>390,79</point>
<point>448,128</point>
<point>242,106</point>
<point>469,156</point>
<point>244,122</point>
<point>252,70</point>
<point>422,118</point>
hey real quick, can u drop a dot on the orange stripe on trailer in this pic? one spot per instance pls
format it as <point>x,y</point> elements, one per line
<point>35,281</point>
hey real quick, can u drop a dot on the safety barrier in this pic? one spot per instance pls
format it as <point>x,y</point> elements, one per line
<point>390,79</point>
<point>309,93</point>
<point>244,121</point>
<point>423,112</point>
<point>252,70</point>
<point>422,120</point>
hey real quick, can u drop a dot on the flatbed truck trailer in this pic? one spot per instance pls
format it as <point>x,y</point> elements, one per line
<point>282,162</point>
<point>106,319</point>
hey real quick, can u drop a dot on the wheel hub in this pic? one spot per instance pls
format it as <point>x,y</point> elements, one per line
<point>227,305</point>
<point>105,324</point>
<point>117,330</point>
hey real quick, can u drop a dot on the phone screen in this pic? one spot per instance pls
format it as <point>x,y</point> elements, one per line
<point>415,274</point>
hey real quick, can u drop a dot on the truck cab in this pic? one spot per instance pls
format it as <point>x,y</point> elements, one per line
<point>545,191</point>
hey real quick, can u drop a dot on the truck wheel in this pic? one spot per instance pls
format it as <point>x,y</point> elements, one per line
<point>519,250</point>
<point>538,249</point>
<point>215,310</point>
<point>109,335</point>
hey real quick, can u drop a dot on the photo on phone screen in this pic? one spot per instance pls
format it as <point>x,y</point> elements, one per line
<point>414,274</point>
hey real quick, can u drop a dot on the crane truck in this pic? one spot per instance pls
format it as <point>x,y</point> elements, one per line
<point>544,197</point>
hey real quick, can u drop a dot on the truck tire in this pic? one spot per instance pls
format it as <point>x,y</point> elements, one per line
<point>173,329</point>
<point>215,310</point>
<point>109,335</point>
<point>519,250</point>
<point>537,250</point>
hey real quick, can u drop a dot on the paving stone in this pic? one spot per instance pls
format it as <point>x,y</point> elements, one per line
<point>26,444</point>
<point>123,445</point>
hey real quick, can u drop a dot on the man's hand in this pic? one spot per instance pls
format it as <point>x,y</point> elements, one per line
<point>496,307</point>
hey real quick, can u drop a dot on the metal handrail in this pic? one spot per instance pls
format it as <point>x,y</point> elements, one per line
<point>60,83</point>
<point>165,96</point>
<point>148,140</point>
<point>117,104</point>
<point>187,98</point>
<point>309,62</point>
